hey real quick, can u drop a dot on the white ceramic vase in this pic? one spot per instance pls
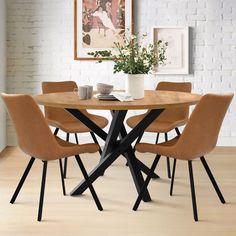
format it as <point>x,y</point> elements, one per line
<point>135,85</point>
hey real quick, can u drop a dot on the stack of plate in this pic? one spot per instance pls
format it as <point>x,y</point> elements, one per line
<point>104,92</point>
<point>106,97</point>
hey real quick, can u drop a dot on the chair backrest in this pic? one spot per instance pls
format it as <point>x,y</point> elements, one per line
<point>201,132</point>
<point>52,113</point>
<point>33,134</point>
<point>174,114</point>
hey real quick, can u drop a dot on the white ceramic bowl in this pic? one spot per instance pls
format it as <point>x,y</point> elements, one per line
<point>104,88</point>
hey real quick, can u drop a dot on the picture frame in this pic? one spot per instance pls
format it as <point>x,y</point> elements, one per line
<point>100,23</point>
<point>177,52</point>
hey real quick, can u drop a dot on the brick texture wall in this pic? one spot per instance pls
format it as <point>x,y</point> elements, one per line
<point>2,72</point>
<point>40,47</point>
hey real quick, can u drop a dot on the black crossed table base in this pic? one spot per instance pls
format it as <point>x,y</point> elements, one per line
<point>117,142</point>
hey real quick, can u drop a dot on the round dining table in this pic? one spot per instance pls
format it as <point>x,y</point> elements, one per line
<point>118,142</point>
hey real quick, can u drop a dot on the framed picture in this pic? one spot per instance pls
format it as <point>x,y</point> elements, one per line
<point>100,23</point>
<point>177,52</point>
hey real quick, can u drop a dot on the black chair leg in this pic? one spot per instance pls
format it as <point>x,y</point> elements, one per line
<point>96,141</point>
<point>65,161</point>
<point>65,168</point>
<point>194,203</point>
<point>22,180</point>
<point>139,138</point>
<point>56,131</point>
<point>76,138</point>
<point>172,178</point>
<point>217,189</point>
<point>174,166</point>
<point>62,178</point>
<point>157,138</point>
<point>144,187</point>
<point>40,210</point>
<point>92,190</point>
<point>177,131</point>
<point>168,167</point>
<point>168,160</point>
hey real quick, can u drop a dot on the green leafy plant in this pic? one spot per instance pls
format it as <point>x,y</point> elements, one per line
<point>135,57</point>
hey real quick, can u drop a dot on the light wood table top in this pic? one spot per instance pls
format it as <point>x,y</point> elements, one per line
<point>153,100</point>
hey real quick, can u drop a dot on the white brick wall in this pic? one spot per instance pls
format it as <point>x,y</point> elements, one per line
<point>2,72</point>
<point>40,47</point>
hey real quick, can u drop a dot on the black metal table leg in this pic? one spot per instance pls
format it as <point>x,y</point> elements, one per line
<point>92,190</point>
<point>140,164</point>
<point>144,187</point>
<point>111,142</point>
<point>133,164</point>
<point>136,173</point>
<point>114,131</point>
<point>146,169</point>
<point>137,141</point>
<point>89,123</point>
<point>114,148</point>
<point>131,155</point>
<point>96,172</point>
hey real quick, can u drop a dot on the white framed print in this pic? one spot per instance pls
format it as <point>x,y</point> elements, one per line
<point>177,52</point>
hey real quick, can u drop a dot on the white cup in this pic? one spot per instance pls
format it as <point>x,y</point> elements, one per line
<point>82,92</point>
<point>89,91</point>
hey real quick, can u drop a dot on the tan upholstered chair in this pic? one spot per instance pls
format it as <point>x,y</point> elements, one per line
<point>36,139</point>
<point>61,119</point>
<point>198,139</point>
<point>170,119</point>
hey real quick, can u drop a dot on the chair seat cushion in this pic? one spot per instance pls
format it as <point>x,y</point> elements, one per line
<point>163,149</point>
<point>67,149</point>
<point>158,125</point>
<point>73,125</point>
<point>168,149</point>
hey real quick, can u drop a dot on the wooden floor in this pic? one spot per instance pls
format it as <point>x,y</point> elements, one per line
<point>164,216</point>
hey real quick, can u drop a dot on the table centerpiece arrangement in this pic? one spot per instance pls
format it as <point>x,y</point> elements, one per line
<point>135,58</point>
